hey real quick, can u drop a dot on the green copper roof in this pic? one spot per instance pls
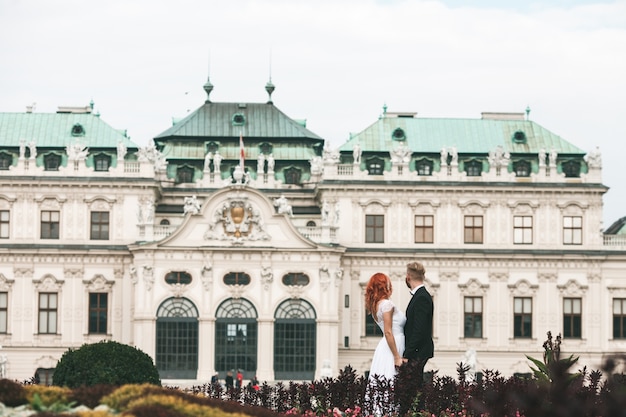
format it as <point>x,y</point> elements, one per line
<point>178,149</point>
<point>252,120</point>
<point>467,135</point>
<point>57,130</point>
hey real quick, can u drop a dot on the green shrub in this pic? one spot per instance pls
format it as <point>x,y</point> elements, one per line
<point>105,362</point>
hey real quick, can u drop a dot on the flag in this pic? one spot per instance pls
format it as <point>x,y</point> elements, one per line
<point>241,151</point>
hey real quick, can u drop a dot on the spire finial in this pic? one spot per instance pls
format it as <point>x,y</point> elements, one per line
<point>527,112</point>
<point>208,87</point>
<point>269,87</point>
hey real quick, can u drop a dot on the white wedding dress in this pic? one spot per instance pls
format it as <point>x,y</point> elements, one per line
<point>383,363</point>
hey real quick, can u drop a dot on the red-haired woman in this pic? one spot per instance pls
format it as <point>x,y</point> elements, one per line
<point>388,354</point>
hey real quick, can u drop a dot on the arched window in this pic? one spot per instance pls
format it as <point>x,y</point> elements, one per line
<point>375,166</point>
<point>294,340</point>
<point>236,337</point>
<point>177,339</point>
<point>295,278</point>
<point>236,278</point>
<point>164,222</point>
<point>311,223</point>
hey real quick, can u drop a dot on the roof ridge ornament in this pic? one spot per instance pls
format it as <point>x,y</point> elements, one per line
<point>269,87</point>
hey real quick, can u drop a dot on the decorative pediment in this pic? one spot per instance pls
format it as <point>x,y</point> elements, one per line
<point>48,283</point>
<point>237,220</point>
<point>98,283</point>
<point>572,288</point>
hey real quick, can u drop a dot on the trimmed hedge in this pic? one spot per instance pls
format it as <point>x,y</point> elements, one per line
<point>105,362</point>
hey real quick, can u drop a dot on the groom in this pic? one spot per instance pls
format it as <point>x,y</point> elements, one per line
<point>418,334</point>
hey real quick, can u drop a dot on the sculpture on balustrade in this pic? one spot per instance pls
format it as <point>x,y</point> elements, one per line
<point>317,165</point>
<point>552,158</point>
<point>356,153</point>
<point>32,146</point>
<point>121,150</point>
<point>207,161</point>
<point>217,161</point>
<point>260,164</point>
<point>270,163</point>
<point>594,158</point>
<point>499,158</point>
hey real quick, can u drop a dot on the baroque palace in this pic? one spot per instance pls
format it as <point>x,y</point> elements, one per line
<point>239,239</point>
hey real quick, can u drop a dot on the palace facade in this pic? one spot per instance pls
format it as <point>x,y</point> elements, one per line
<point>239,239</point>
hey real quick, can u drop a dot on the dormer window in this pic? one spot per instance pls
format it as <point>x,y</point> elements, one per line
<point>519,137</point>
<point>266,148</point>
<point>398,134</point>
<point>375,166</point>
<point>571,169</point>
<point>78,130</point>
<point>473,168</point>
<point>101,162</point>
<point>292,175</point>
<point>424,167</point>
<point>521,168</point>
<point>184,174</point>
<point>238,119</point>
<point>51,162</point>
<point>5,161</point>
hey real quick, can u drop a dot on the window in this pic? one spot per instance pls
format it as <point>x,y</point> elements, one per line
<point>424,229</point>
<point>473,168</point>
<point>424,167</point>
<point>295,278</point>
<point>571,169</point>
<point>48,311</point>
<point>473,229</point>
<point>375,166</point>
<point>522,230</point>
<point>292,176</point>
<point>371,328</point>
<point>236,338</point>
<point>572,230</point>
<point>176,350</point>
<point>398,134</point>
<point>51,162</point>
<point>164,222</point>
<point>50,224</point>
<point>473,317</point>
<point>522,317</point>
<point>522,168</point>
<point>4,311</point>
<point>374,228</point>
<point>98,311</point>
<point>101,162</point>
<point>619,318</point>
<point>572,317</point>
<point>236,278</point>
<point>78,130</point>
<point>519,137</point>
<point>178,277</point>
<point>99,225</point>
<point>5,161</point>
<point>4,224</point>
<point>295,341</point>
<point>184,175</point>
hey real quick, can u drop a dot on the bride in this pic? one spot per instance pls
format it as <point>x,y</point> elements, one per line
<point>388,354</point>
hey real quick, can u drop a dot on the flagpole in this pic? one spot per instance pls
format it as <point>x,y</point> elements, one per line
<point>241,152</point>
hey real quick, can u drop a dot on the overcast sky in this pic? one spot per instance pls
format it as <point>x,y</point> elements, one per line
<point>334,63</point>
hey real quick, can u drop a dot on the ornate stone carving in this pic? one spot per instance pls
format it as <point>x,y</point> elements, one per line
<point>147,273</point>
<point>324,277</point>
<point>267,276</point>
<point>98,283</point>
<point>206,274</point>
<point>237,221</point>
<point>48,283</point>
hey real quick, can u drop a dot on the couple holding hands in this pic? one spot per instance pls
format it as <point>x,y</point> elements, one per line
<point>407,338</point>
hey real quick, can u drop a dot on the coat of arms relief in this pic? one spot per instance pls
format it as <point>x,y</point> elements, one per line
<point>237,220</point>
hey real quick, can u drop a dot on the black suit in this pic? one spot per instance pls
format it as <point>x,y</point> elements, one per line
<point>418,330</point>
<point>419,347</point>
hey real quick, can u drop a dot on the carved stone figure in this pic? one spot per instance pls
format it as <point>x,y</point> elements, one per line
<point>325,212</point>
<point>217,161</point>
<point>192,205</point>
<point>260,164</point>
<point>121,150</point>
<point>444,156</point>
<point>356,153</point>
<point>542,157</point>
<point>207,161</point>
<point>22,149</point>
<point>401,155</point>
<point>283,206</point>
<point>594,158</point>
<point>553,156</point>
<point>33,150</point>
<point>270,163</point>
<point>317,165</point>
<point>454,154</point>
